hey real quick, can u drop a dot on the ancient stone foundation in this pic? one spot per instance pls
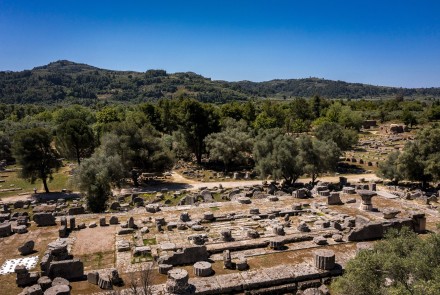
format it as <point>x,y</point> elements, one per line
<point>324,259</point>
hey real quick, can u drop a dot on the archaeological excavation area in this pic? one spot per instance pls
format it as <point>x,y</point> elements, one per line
<point>253,239</point>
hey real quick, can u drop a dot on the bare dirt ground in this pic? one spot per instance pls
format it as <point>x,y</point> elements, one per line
<point>178,182</point>
<point>90,240</point>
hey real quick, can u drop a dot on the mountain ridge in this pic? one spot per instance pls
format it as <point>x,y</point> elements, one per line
<point>70,82</point>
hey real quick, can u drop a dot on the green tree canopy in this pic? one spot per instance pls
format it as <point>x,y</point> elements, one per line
<point>75,139</point>
<point>197,120</point>
<point>33,151</point>
<point>330,131</point>
<point>276,154</point>
<point>419,159</point>
<point>318,157</point>
<point>402,263</point>
<point>96,175</point>
<point>230,146</point>
<point>388,168</point>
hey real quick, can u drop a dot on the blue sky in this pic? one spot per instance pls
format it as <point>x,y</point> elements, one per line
<point>391,43</point>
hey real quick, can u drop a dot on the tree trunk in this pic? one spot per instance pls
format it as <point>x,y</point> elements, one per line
<point>314,176</point>
<point>45,185</point>
<point>78,156</point>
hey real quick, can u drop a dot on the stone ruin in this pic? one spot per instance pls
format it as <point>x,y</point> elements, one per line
<point>262,220</point>
<point>57,262</point>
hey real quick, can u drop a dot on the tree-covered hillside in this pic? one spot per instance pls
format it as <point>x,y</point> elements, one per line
<point>69,82</point>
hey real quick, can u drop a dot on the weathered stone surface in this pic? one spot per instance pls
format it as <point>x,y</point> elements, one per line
<point>226,235</point>
<point>241,264</point>
<point>5,229</point>
<point>227,260</point>
<point>131,223</point>
<point>71,269</point>
<point>93,277</point>
<point>177,281</point>
<point>76,210</point>
<point>337,238</point>
<point>366,197</point>
<point>44,219</point>
<point>188,255</point>
<point>123,246</point>
<point>125,231</point>
<point>72,223</point>
<point>244,200</point>
<point>276,243</point>
<point>102,221</point>
<point>20,229</point>
<point>165,268</point>
<point>324,259</point>
<point>202,269</point>
<point>24,278</point>
<point>320,240</point>
<point>334,199</point>
<point>369,231</point>
<point>107,278</point>
<point>27,248</point>
<point>143,250</point>
<point>33,290</point>
<point>253,234</point>
<point>45,283</point>
<point>312,291</point>
<point>59,281</point>
<point>419,222</point>
<point>303,227</point>
<point>113,220</point>
<point>62,231</point>
<point>58,290</point>
<point>390,213</point>
<point>209,216</point>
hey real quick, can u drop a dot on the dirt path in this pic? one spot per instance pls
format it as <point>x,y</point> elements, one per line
<point>228,184</point>
<point>178,182</point>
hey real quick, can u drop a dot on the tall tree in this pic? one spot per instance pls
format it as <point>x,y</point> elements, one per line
<point>330,131</point>
<point>75,139</point>
<point>276,154</point>
<point>388,168</point>
<point>230,146</point>
<point>197,121</point>
<point>318,157</point>
<point>33,151</point>
<point>96,176</point>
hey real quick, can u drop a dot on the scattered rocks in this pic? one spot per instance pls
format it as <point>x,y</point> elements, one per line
<point>27,248</point>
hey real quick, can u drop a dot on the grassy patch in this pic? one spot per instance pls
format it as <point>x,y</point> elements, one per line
<point>214,208</point>
<point>13,180</point>
<point>142,258</point>
<point>148,242</point>
<point>98,260</point>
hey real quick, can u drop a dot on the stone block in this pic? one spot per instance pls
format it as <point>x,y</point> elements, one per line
<point>370,231</point>
<point>44,219</point>
<point>27,248</point>
<point>5,229</point>
<point>68,269</point>
<point>93,277</point>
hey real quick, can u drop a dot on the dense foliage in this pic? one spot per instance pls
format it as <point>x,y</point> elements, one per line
<point>418,161</point>
<point>403,264</point>
<point>113,141</point>
<point>33,151</point>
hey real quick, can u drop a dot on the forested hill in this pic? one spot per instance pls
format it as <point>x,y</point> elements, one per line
<point>66,81</point>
